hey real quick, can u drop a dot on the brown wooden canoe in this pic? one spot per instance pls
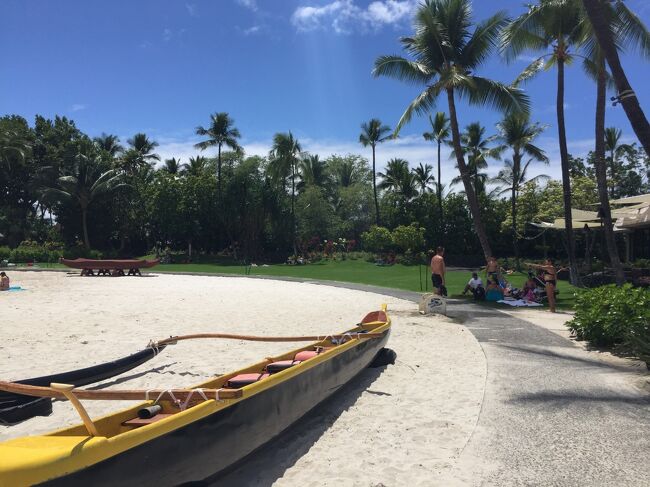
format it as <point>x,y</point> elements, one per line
<point>109,264</point>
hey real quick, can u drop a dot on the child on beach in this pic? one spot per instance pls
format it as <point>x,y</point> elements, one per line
<point>475,285</point>
<point>4,281</point>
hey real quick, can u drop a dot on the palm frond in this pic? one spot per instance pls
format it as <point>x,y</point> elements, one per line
<point>494,94</point>
<point>401,69</point>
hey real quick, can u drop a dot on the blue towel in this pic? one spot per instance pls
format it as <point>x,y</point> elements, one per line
<point>15,288</point>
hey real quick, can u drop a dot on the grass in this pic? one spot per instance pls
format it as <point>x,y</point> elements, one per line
<point>398,276</point>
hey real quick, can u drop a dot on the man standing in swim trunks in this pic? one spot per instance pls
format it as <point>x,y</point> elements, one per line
<point>438,270</point>
<point>492,269</point>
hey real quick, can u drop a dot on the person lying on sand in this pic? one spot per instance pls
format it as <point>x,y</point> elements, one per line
<point>4,281</point>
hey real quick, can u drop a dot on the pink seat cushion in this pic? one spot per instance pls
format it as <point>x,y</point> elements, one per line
<point>242,380</point>
<point>305,355</point>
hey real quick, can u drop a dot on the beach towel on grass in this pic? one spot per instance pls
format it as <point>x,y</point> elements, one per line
<point>519,303</point>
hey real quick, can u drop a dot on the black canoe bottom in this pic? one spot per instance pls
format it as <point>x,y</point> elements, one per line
<point>208,447</point>
<point>15,408</point>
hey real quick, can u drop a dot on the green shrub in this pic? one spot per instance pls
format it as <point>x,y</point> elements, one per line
<point>377,239</point>
<point>409,239</point>
<point>611,315</point>
<point>5,253</point>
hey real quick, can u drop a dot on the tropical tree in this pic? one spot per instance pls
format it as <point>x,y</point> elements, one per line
<point>109,143</point>
<point>552,26</point>
<point>373,133</point>
<point>172,166</point>
<point>446,55</point>
<point>423,177</point>
<point>312,172</point>
<point>511,179</point>
<point>284,158</point>
<point>140,154</point>
<point>600,18</point>
<point>220,132</point>
<point>86,183</point>
<point>399,179</point>
<point>613,146</point>
<point>195,166</point>
<point>627,31</point>
<point>12,145</point>
<point>439,134</point>
<point>517,133</point>
<point>476,146</point>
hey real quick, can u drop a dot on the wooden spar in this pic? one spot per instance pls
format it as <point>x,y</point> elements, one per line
<point>66,390</point>
<point>180,395</point>
<point>253,338</point>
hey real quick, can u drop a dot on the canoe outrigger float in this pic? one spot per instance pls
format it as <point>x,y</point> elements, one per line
<point>15,408</point>
<point>183,435</point>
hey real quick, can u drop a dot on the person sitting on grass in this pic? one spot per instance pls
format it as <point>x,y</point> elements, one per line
<point>493,291</point>
<point>4,281</point>
<point>475,285</point>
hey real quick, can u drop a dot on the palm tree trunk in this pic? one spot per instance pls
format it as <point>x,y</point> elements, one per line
<point>601,175</point>
<point>612,171</point>
<point>515,245</point>
<point>374,185</point>
<point>219,169</point>
<point>293,209</point>
<point>469,189</point>
<point>566,181</point>
<point>599,21</point>
<point>439,187</point>
<point>516,178</point>
<point>84,225</point>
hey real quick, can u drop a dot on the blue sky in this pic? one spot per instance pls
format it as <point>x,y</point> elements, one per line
<point>302,65</point>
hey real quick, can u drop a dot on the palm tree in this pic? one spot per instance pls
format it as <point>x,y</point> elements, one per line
<point>109,143</point>
<point>439,134</point>
<point>195,166</point>
<point>627,30</point>
<point>475,145</point>
<point>220,132</point>
<point>345,173</point>
<point>446,55</point>
<point>600,17</point>
<point>399,179</point>
<point>612,138</point>
<point>172,166</point>
<point>141,153</point>
<point>284,159</point>
<point>423,177</point>
<point>552,26</point>
<point>87,182</point>
<point>516,132</point>
<point>312,172</point>
<point>373,133</point>
<point>12,145</point>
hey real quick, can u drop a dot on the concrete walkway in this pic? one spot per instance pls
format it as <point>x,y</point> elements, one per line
<point>553,413</point>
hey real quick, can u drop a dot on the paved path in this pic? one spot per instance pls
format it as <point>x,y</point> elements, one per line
<point>553,414</point>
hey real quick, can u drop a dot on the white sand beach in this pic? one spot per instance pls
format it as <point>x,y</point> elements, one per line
<point>402,425</point>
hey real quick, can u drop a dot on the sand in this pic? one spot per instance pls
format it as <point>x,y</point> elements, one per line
<point>405,424</point>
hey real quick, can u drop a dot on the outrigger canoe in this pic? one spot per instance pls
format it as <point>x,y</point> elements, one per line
<point>88,266</point>
<point>15,408</point>
<point>195,433</point>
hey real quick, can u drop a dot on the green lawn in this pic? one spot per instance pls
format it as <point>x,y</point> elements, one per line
<point>396,276</point>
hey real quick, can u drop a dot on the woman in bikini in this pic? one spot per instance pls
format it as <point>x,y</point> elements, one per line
<point>550,280</point>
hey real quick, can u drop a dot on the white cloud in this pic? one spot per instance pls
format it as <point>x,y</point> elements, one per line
<point>249,4</point>
<point>78,107</point>
<point>191,9</point>
<point>167,34</point>
<point>251,30</point>
<point>345,16</point>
